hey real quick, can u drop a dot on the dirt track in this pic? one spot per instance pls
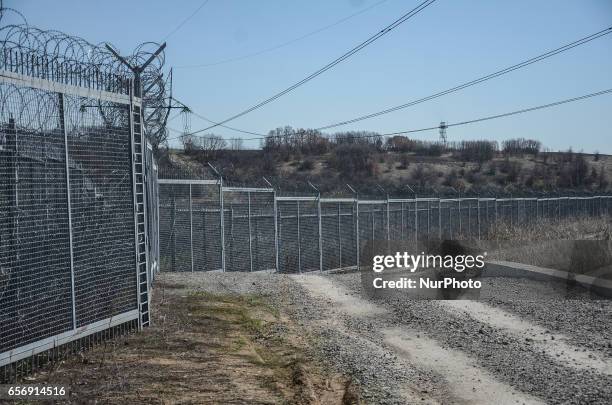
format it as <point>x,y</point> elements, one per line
<point>316,339</point>
<point>513,347</point>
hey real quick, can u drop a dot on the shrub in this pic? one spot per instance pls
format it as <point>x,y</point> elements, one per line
<point>350,159</point>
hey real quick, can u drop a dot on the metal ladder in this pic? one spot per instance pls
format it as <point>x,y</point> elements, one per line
<point>138,149</point>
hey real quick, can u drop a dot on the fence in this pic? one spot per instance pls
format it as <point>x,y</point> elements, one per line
<point>74,246</point>
<point>261,231</point>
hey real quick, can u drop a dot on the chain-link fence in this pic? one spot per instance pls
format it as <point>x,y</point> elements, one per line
<point>73,223</point>
<point>262,231</point>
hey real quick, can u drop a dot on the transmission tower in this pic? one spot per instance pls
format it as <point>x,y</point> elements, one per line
<point>443,127</point>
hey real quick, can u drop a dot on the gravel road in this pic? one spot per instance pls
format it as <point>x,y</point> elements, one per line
<point>512,347</point>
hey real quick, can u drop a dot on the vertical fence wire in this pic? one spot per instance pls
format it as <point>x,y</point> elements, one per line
<point>66,207</point>
<point>303,234</point>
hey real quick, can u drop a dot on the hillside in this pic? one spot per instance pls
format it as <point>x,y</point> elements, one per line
<point>447,174</point>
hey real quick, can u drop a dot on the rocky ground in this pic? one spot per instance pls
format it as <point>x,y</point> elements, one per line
<point>516,345</point>
<point>318,339</point>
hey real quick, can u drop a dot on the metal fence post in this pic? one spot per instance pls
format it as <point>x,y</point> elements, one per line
<point>428,218</point>
<point>599,206</point>
<point>416,219</point>
<point>276,232</point>
<point>356,221</point>
<point>496,219</point>
<point>319,225</point>
<point>469,230</point>
<point>450,220</point>
<point>356,213</point>
<point>63,120</point>
<point>339,237</point>
<point>439,218</point>
<point>230,241</point>
<point>373,224</point>
<point>299,243</point>
<point>191,225</point>
<point>250,233</point>
<point>402,225</point>
<point>459,204</point>
<point>173,231</point>
<point>320,232</point>
<point>478,214</point>
<point>222,223</point>
<point>388,216</point>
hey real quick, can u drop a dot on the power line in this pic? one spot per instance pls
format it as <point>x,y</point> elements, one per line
<point>504,71</point>
<point>330,65</point>
<point>284,44</point>
<point>472,121</point>
<point>479,80</point>
<point>185,20</point>
<point>492,117</point>
<point>228,127</point>
<point>190,110</point>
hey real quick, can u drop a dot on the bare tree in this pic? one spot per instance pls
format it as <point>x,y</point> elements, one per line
<point>236,144</point>
<point>210,145</point>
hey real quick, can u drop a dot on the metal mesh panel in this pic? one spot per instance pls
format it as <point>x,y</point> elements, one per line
<point>331,235</point>
<point>397,221</point>
<point>288,235</point>
<point>436,214</point>
<point>309,236</point>
<point>102,205</point>
<point>166,224</point>
<point>206,222</point>
<point>263,232</point>
<point>190,226</point>
<point>249,230</point>
<point>175,227</point>
<point>423,218</point>
<point>348,235</point>
<point>67,254</point>
<point>366,220</point>
<point>372,222</point>
<point>238,242</point>
<point>34,232</point>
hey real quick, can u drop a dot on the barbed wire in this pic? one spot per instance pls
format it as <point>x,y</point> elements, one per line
<point>69,59</point>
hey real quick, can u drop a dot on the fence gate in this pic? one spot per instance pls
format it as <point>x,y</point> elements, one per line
<point>73,246</point>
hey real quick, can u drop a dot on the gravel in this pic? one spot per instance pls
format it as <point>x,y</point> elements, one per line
<point>355,343</point>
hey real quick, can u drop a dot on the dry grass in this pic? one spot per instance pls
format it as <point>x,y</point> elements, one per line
<point>202,349</point>
<point>583,228</point>
<point>579,246</point>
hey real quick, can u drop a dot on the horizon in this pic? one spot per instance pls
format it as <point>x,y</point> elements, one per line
<point>385,74</point>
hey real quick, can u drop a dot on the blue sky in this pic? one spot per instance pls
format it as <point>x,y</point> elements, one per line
<point>450,42</point>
